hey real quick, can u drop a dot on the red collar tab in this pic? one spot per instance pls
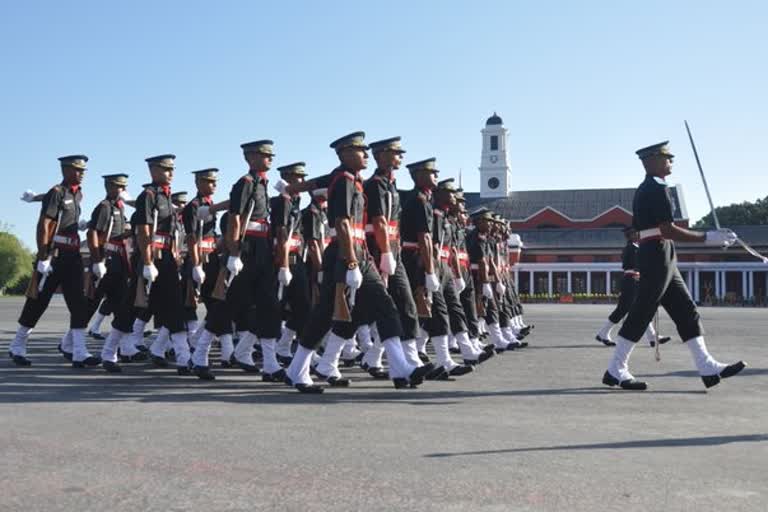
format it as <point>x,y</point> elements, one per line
<point>166,189</point>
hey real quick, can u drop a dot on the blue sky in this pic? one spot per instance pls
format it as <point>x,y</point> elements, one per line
<point>580,86</point>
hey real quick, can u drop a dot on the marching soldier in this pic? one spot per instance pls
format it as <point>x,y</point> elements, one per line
<point>627,294</point>
<point>515,245</point>
<point>252,296</point>
<point>58,263</point>
<point>293,291</point>
<point>110,265</point>
<point>383,240</point>
<point>203,266</point>
<point>660,279</point>
<point>156,225</point>
<point>352,290</point>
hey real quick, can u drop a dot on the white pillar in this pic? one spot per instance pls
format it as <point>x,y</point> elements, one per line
<point>531,282</point>
<point>570,283</point>
<point>744,286</point>
<point>589,282</point>
<point>607,282</point>
<point>696,281</point>
<point>549,283</point>
<point>689,280</point>
<point>717,284</point>
<point>517,280</point>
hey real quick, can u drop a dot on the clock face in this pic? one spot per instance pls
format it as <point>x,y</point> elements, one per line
<point>493,183</point>
<point>494,159</point>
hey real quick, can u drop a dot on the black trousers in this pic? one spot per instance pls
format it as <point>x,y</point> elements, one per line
<point>490,306</point>
<point>372,302</point>
<point>252,296</point>
<point>661,284</point>
<point>467,298</point>
<point>166,301</point>
<point>296,299</point>
<point>513,298</point>
<point>218,318</point>
<point>67,272</point>
<point>627,297</point>
<point>456,316</point>
<point>399,288</point>
<point>439,324</point>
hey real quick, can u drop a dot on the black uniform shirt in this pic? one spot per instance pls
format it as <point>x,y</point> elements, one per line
<point>383,200</point>
<point>345,198</point>
<point>284,212</point>
<point>189,218</point>
<point>251,188</point>
<point>477,246</point>
<point>629,256</point>
<point>66,200</point>
<point>417,215</point>
<point>314,224</point>
<point>106,210</point>
<point>155,198</point>
<point>651,205</point>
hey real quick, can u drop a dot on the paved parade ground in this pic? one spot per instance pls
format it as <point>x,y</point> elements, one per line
<point>531,430</point>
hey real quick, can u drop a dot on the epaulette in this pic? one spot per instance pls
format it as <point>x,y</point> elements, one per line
<point>439,212</point>
<point>422,197</point>
<point>247,177</point>
<point>349,176</point>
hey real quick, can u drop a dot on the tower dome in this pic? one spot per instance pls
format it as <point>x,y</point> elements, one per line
<point>494,120</point>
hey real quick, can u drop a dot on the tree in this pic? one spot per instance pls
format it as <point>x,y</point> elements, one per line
<point>740,214</point>
<point>15,260</point>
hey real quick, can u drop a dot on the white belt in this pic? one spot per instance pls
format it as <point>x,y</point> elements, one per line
<point>474,266</point>
<point>257,225</point>
<point>649,233</point>
<point>66,240</point>
<point>110,247</point>
<point>356,232</point>
<point>410,245</point>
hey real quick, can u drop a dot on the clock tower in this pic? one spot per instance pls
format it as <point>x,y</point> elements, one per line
<point>495,175</point>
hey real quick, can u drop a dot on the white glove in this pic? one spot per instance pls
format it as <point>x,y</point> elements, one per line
<point>125,196</point>
<point>284,276</point>
<point>431,282</point>
<point>487,291</point>
<point>99,269</point>
<point>281,185</point>
<point>149,272</point>
<point>82,225</point>
<point>28,196</point>
<point>44,267</point>
<point>198,274</point>
<point>388,264</point>
<point>459,284</point>
<point>722,237</point>
<point>204,213</point>
<point>234,265</point>
<point>354,278</point>
<point>320,277</point>
<point>500,288</point>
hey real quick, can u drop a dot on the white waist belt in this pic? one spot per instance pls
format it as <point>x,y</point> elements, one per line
<point>648,233</point>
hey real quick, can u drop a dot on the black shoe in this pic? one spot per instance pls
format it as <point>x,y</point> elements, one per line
<point>335,382</point>
<point>454,350</point>
<point>312,389</point>
<point>424,357</point>
<point>605,341</point>
<point>203,372</point>
<point>183,370</point>
<point>418,375</point>
<point>525,331</point>
<point>225,364</point>
<point>378,373</point>
<point>278,376</point>
<point>401,383</point>
<point>471,362</point>
<point>20,360</point>
<point>135,358</point>
<point>111,367</point>
<point>664,339</point>
<point>728,371</point>
<point>67,355</point>
<point>500,350</point>
<point>96,335</point>
<point>284,360</point>
<point>247,368</point>
<point>142,348</point>
<point>349,363</point>
<point>629,384</point>
<point>437,373</point>
<point>87,362</point>
<point>460,370</point>
<point>484,356</point>
<point>158,361</point>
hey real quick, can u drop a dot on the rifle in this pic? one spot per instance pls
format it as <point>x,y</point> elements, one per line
<point>192,298</point>
<point>290,236</point>
<point>36,284</point>
<point>423,300</point>
<point>144,288</point>
<point>224,279</point>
